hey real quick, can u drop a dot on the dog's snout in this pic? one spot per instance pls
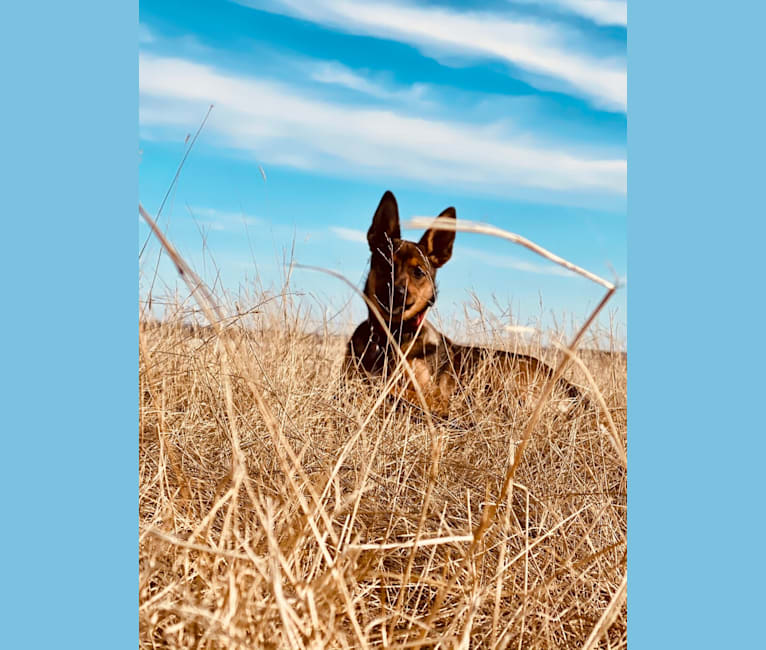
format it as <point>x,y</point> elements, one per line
<point>399,290</point>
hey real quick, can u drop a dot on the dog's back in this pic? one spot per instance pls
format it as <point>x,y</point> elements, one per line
<point>445,370</point>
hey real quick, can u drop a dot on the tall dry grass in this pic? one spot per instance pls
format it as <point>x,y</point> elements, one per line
<point>309,541</point>
<point>281,506</point>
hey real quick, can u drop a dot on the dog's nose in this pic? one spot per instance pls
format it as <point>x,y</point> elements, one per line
<point>400,291</point>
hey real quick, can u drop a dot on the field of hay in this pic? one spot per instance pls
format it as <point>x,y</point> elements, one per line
<point>282,507</point>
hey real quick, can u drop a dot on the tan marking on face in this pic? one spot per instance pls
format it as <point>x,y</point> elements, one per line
<point>409,269</point>
<point>414,272</point>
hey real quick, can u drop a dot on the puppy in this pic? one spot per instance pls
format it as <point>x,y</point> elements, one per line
<point>401,284</point>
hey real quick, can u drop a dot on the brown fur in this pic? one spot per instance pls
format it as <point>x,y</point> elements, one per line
<point>402,286</point>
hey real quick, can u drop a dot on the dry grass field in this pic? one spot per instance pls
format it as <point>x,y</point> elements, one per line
<point>283,507</point>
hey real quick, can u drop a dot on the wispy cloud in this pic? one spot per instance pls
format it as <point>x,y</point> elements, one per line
<point>349,234</point>
<point>508,262</point>
<point>540,48</point>
<point>602,12</point>
<point>216,219</point>
<point>284,125</point>
<point>335,73</point>
<point>145,35</point>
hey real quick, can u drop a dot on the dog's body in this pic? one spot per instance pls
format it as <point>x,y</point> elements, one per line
<point>401,285</point>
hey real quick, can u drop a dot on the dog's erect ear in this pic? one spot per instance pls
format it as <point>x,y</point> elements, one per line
<point>437,244</point>
<point>385,224</point>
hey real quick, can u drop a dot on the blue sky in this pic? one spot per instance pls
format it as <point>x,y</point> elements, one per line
<point>513,112</point>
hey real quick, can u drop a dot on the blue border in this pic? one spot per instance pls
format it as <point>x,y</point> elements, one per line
<point>696,234</point>
<point>696,238</point>
<point>69,422</point>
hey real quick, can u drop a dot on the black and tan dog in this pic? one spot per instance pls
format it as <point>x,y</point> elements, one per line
<point>402,286</point>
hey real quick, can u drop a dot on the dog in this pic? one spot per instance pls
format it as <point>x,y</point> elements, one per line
<point>401,284</point>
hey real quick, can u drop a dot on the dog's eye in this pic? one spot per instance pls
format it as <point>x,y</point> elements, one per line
<point>418,272</point>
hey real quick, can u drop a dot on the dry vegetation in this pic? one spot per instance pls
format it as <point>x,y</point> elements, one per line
<point>283,507</point>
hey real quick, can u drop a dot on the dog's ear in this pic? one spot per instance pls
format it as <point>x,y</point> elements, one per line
<point>385,224</point>
<point>437,244</point>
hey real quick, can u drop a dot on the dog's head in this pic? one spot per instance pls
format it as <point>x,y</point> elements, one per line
<point>402,279</point>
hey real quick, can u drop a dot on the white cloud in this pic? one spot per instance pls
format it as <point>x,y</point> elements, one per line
<point>602,12</point>
<point>508,262</point>
<point>524,330</point>
<point>335,73</point>
<point>282,125</point>
<point>537,47</point>
<point>216,219</point>
<point>145,35</point>
<point>349,234</point>
<point>332,72</point>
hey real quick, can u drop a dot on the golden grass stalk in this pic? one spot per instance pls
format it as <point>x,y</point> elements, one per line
<point>494,231</point>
